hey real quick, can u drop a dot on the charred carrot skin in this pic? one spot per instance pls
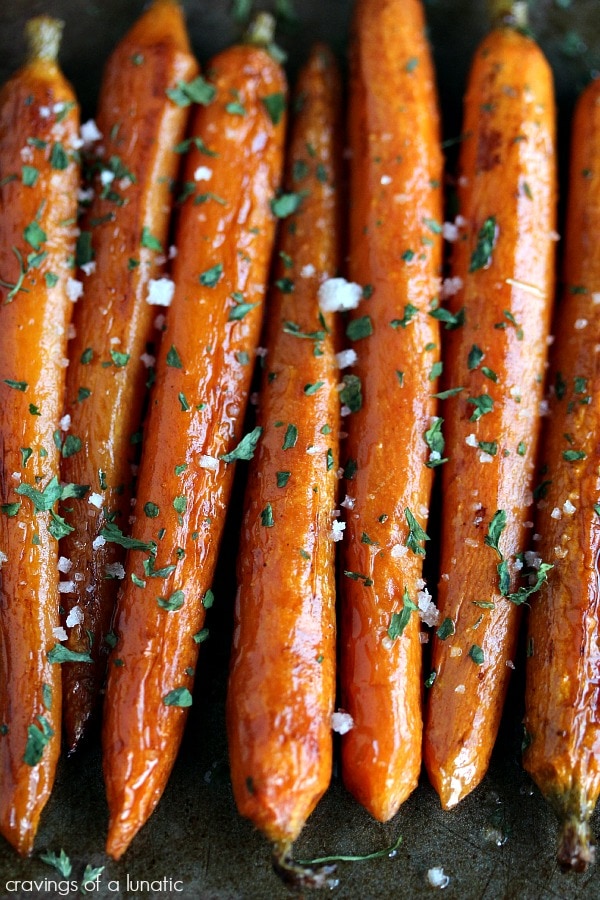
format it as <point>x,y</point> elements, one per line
<point>282,680</point>
<point>126,229</point>
<point>494,372</point>
<point>39,126</point>
<point>395,253</point>
<point>562,716</point>
<point>195,418</point>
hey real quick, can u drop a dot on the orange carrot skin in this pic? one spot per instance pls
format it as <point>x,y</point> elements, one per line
<point>562,715</point>
<point>196,416</point>
<point>282,680</point>
<point>39,123</point>
<point>141,127</point>
<point>507,168</point>
<point>395,252</point>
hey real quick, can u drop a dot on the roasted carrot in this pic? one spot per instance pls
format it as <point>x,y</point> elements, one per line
<point>395,254</point>
<point>39,177</point>
<point>493,377</point>
<point>562,715</point>
<point>193,432</point>
<point>143,109</point>
<point>282,680</point>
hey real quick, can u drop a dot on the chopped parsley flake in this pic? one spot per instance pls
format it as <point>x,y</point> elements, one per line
<point>286,204</point>
<point>275,106</point>
<point>399,621</point>
<point>58,157</point>
<point>37,740</point>
<point>61,654</point>
<point>172,603</point>
<point>351,393</point>
<point>310,389</point>
<point>246,447</point>
<point>290,438</point>
<point>173,359</point>
<point>359,328</point>
<point>415,534</point>
<point>211,276</point>
<point>266,516</point>
<point>435,441</point>
<point>483,404</point>
<point>178,697</point>
<point>446,629</point>
<point>450,320</point>
<point>149,241</point>
<point>196,91</point>
<point>410,312</point>
<point>476,654</point>
<point>486,241</point>
<point>494,532</point>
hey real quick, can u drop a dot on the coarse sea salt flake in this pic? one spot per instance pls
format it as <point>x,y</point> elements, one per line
<point>89,132</point>
<point>341,722</point>
<point>337,294</point>
<point>346,358</point>
<point>580,324</point>
<point>203,173</point>
<point>556,513</point>
<point>115,570</point>
<point>437,878</point>
<point>337,530</point>
<point>64,565</point>
<point>449,231</point>
<point>568,508</point>
<point>147,359</point>
<point>160,291</point>
<point>98,542</point>
<point>74,289</point>
<point>75,617</point>
<point>307,271</point>
<point>428,611</point>
<point>60,634</point>
<point>96,500</point>
<point>398,551</point>
<point>66,587</point>
<point>65,423</point>
<point>209,462</point>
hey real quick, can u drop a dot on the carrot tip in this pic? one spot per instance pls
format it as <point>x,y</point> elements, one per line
<point>261,30</point>
<point>576,852</point>
<point>43,35</point>
<point>302,877</point>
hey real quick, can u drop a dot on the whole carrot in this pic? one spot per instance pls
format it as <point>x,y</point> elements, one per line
<point>224,241</point>
<point>494,363</point>
<point>39,177</point>
<point>144,103</point>
<point>392,448</point>
<point>282,680</point>
<point>562,715</point>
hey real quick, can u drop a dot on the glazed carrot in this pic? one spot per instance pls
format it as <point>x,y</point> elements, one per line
<point>39,177</point>
<point>494,371</point>
<point>562,715</point>
<point>282,680</point>
<point>224,241</point>
<point>142,116</point>
<point>395,254</point>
